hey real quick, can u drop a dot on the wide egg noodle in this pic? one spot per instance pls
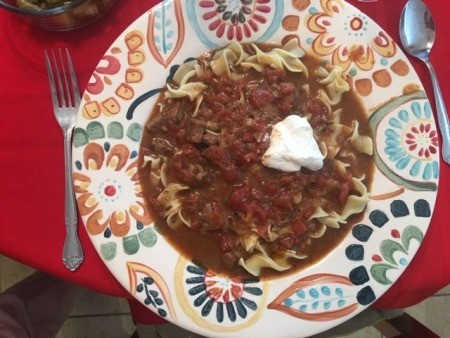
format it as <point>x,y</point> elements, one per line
<point>221,65</point>
<point>198,102</point>
<point>336,84</point>
<point>328,219</point>
<point>191,89</point>
<point>249,241</point>
<point>186,71</point>
<point>157,165</point>
<point>339,130</point>
<point>354,205</point>
<point>319,231</point>
<point>226,59</point>
<point>361,143</point>
<point>232,54</point>
<point>278,58</point>
<point>172,205</point>
<point>185,88</point>
<point>261,260</point>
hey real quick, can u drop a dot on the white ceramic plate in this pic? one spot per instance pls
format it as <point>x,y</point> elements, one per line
<point>118,101</point>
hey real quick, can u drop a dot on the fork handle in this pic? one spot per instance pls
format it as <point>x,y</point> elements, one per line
<point>72,255</point>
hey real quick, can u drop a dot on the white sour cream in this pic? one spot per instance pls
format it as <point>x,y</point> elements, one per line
<point>292,146</point>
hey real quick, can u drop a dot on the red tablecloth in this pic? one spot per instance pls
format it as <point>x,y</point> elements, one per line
<point>31,153</point>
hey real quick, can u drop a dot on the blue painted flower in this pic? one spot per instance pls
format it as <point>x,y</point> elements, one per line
<point>233,18</point>
<point>223,296</point>
<point>412,141</point>
<point>219,21</point>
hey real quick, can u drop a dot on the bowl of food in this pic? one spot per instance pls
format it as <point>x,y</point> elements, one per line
<point>255,168</point>
<point>58,15</point>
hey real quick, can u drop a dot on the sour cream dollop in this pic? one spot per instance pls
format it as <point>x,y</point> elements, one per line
<point>292,146</point>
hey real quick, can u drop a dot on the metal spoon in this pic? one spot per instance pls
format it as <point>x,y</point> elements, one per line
<point>417,33</point>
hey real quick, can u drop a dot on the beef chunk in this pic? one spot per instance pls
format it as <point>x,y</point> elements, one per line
<point>210,139</point>
<point>160,145</point>
<point>195,130</point>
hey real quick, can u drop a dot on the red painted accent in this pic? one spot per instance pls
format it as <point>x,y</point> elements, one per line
<point>110,190</point>
<point>376,258</point>
<point>395,233</point>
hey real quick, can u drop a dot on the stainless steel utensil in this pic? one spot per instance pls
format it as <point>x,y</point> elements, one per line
<point>417,33</point>
<point>66,100</point>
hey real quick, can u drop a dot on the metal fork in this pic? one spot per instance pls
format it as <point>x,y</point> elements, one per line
<point>66,100</point>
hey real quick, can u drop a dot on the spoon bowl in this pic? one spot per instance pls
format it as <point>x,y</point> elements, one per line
<point>417,34</point>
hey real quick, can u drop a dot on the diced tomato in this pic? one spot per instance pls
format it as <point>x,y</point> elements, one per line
<point>259,97</point>
<point>321,182</point>
<point>270,187</point>
<point>283,200</point>
<point>226,242</point>
<point>214,215</point>
<point>274,76</point>
<point>219,157</point>
<point>299,227</point>
<point>257,194</point>
<point>287,88</point>
<point>344,189</point>
<point>249,158</point>
<point>216,106</point>
<point>222,98</point>
<point>285,106</point>
<point>230,174</point>
<point>316,107</point>
<point>248,137</point>
<point>188,165</point>
<point>307,213</point>
<point>190,151</point>
<point>286,242</point>
<point>286,179</point>
<point>260,211</point>
<point>239,197</point>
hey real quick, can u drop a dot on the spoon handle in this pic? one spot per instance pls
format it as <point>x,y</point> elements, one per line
<point>441,111</point>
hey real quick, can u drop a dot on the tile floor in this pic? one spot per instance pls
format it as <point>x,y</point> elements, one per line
<point>97,315</point>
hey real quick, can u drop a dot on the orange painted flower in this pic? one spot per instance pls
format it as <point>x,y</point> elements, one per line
<point>351,47</point>
<point>110,196</point>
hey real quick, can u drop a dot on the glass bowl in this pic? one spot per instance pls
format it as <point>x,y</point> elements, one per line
<point>73,14</point>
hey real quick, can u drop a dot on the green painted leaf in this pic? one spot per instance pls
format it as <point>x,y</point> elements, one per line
<point>379,271</point>
<point>388,248</point>
<point>134,132</point>
<point>130,244</point>
<point>115,130</point>
<point>95,130</point>
<point>147,237</point>
<point>108,251</point>
<point>411,232</point>
<point>80,138</point>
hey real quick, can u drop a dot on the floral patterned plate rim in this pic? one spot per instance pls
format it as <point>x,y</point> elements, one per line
<point>117,103</point>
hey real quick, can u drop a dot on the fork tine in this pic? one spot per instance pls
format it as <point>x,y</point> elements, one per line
<point>51,80</point>
<point>73,78</point>
<point>64,94</point>
<point>69,101</point>
<point>59,84</point>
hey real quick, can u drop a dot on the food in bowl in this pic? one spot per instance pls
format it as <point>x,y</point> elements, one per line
<point>58,15</point>
<point>256,159</point>
<point>43,4</point>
